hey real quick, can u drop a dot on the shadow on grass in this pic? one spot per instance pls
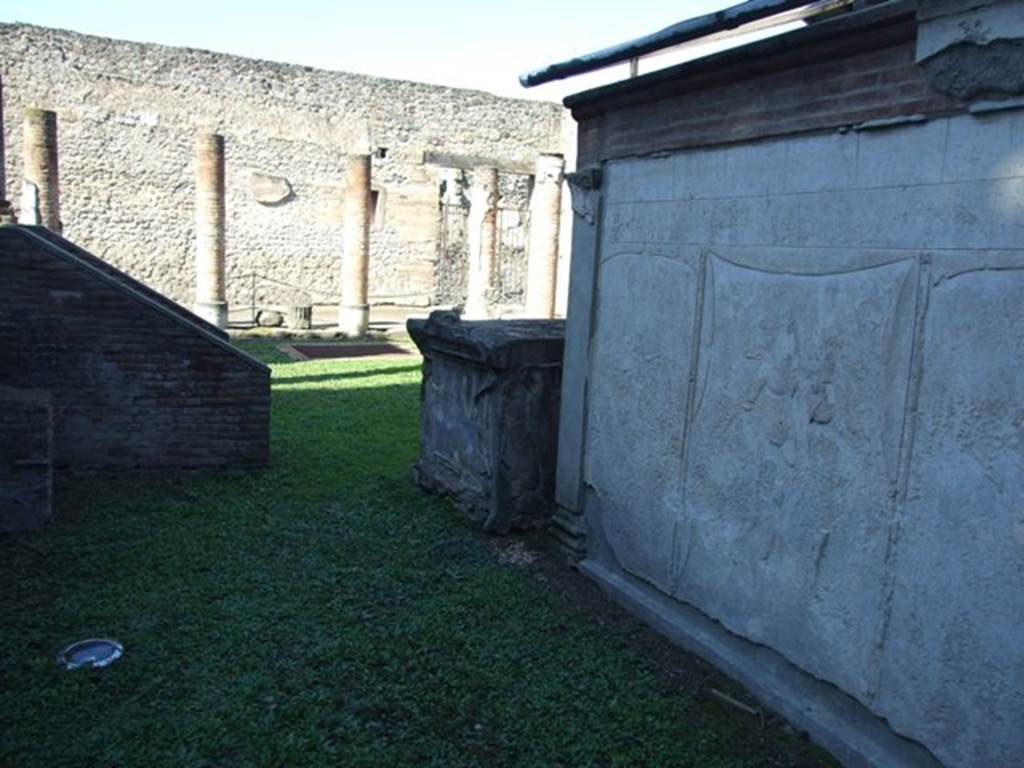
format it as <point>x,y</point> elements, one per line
<point>300,379</point>
<point>326,612</point>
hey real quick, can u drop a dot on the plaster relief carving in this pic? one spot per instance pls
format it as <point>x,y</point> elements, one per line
<point>641,362</point>
<point>965,486</point>
<point>793,458</point>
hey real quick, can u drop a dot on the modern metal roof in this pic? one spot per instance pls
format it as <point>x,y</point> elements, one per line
<point>685,31</point>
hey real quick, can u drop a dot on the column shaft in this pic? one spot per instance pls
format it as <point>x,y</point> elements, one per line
<point>6,212</point>
<point>211,298</point>
<point>545,217</point>
<point>40,169</point>
<point>3,156</point>
<point>354,312</point>
<point>483,243</point>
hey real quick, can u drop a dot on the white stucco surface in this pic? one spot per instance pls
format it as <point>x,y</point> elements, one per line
<point>804,415</point>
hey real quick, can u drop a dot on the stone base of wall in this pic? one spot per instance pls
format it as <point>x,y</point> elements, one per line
<point>835,720</point>
<point>26,472</point>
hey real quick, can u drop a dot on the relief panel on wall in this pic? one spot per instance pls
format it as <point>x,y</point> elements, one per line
<point>640,362</point>
<point>954,656</point>
<point>793,457</point>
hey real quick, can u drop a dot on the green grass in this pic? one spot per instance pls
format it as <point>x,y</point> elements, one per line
<point>325,612</point>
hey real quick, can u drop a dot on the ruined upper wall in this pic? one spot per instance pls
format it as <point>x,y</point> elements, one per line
<point>128,113</point>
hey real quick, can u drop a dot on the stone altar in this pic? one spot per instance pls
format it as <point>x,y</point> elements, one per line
<point>489,421</point>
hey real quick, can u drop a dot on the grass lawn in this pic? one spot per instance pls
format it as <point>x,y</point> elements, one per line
<point>325,612</point>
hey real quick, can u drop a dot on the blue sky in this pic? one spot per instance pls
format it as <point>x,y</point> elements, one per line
<point>465,44</point>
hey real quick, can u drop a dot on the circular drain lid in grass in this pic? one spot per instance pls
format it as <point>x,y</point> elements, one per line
<point>90,653</point>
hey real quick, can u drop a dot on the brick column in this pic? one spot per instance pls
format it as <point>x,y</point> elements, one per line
<point>211,301</point>
<point>354,312</point>
<point>41,187</point>
<point>545,215</point>
<point>483,243</point>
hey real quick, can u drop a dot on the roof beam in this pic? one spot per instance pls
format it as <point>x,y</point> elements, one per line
<point>740,19</point>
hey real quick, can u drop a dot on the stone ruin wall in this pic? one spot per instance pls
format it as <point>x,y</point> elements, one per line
<point>128,114</point>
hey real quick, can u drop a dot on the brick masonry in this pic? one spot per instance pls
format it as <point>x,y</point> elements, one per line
<point>128,113</point>
<point>26,471</point>
<point>135,383</point>
<point>794,84</point>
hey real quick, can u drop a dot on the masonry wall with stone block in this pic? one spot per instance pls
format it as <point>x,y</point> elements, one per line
<point>128,114</point>
<point>135,381</point>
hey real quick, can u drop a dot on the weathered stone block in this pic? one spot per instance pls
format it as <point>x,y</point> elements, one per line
<point>269,190</point>
<point>489,421</point>
<point>269,318</point>
<point>26,473</point>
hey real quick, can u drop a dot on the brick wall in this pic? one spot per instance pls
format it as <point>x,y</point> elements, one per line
<point>26,477</point>
<point>134,383</point>
<point>801,82</point>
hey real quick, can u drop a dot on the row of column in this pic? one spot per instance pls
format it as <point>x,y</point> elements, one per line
<point>542,263</point>
<point>40,205</point>
<point>211,288</point>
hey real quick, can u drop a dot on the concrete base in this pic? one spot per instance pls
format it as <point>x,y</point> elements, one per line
<point>354,319</point>
<point>833,719</point>
<point>215,312</point>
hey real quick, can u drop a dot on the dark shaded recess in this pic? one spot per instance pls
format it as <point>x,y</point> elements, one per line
<point>334,351</point>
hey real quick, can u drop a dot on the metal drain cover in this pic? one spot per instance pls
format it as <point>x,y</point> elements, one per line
<point>90,653</point>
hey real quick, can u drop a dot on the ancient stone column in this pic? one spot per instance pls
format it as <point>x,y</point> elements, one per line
<point>41,186</point>
<point>354,312</point>
<point>6,213</point>
<point>482,239</point>
<point>3,156</point>
<point>545,215</point>
<point>211,300</point>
